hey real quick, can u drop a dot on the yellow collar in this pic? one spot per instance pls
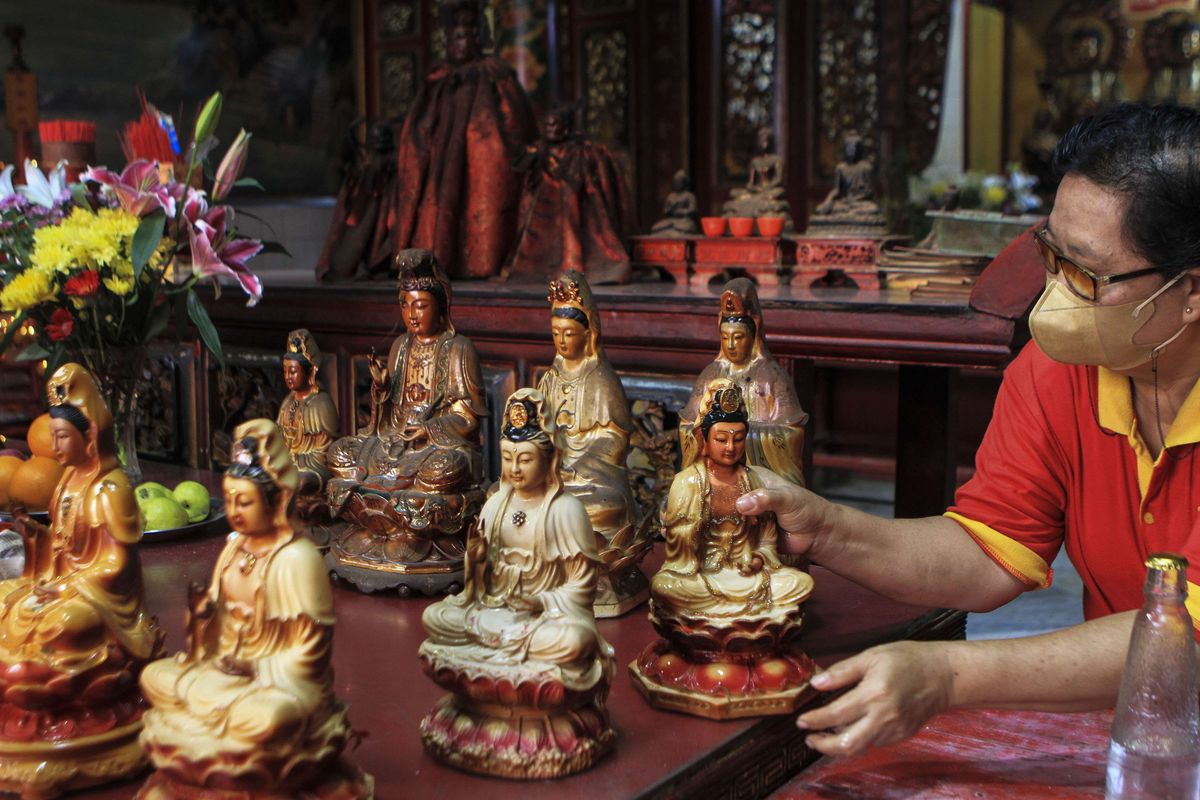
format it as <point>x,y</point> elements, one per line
<point>1115,401</point>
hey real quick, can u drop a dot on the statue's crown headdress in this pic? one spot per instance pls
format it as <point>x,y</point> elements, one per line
<point>565,293</point>
<point>302,344</point>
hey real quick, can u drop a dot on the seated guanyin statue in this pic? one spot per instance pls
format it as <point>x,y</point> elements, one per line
<point>248,710</point>
<point>307,416</point>
<point>591,423</point>
<point>407,486</point>
<point>518,649</point>
<point>74,630</point>
<point>728,610</point>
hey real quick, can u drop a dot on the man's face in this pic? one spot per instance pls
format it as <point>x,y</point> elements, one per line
<point>462,42</point>
<point>736,342</point>
<point>422,317</point>
<point>725,443</point>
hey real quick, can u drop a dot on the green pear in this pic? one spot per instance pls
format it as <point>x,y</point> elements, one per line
<point>193,496</point>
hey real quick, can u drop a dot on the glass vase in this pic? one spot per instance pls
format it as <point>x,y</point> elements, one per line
<point>118,372</point>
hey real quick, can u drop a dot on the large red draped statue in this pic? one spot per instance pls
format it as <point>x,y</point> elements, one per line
<point>458,192</point>
<point>575,207</point>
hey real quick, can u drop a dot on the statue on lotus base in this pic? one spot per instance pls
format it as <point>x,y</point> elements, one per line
<point>728,610</point>
<point>74,630</point>
<point>248,711</point>
<point>309,422</point>
<point>407,487</point>
<point>518,649</point>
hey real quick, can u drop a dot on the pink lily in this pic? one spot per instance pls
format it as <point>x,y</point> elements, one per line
<point>231,166</point>
<point>214,253</point>
<point>137,187</point>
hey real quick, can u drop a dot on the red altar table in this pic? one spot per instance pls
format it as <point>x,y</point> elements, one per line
<point>991,755</point>
<point>658,754</point>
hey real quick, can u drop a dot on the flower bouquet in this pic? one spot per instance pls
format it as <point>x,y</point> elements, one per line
<point>97,268</point>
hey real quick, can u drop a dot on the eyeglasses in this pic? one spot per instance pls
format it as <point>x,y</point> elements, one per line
<point>1080,280</point>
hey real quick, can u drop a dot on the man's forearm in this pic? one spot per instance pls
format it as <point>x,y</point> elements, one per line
<point>1074,669</point>
<point>927,562</point>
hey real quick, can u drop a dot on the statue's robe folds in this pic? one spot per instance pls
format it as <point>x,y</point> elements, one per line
<point>700,575</point>
<point>482,630</point>
<point>86,559</point>
<point>592,428</point>
<point>286,709</point>
<point>310,426</point>
<point>458,192</point>
<point>575,214</point>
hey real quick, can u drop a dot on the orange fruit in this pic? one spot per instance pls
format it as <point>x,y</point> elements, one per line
<point>33,483</point>
<point>38,437</point>
<point>8,465</point>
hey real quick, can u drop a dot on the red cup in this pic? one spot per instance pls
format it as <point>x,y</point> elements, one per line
<point>770,226</point>
<point>713,226</point>
<point>741,226</point>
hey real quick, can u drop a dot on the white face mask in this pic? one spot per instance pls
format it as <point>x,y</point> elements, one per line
<point>1071,330</point>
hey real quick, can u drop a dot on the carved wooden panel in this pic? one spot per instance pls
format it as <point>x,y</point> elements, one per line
<point>749,38</point>
<point>607,86</point>
<point>166,428</point>
<point>848,48</point>
<point>925,76</point>
<point>398,82</point>
<point>399,18</point>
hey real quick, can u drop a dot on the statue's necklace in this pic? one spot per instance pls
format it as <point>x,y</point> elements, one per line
<point>247,562</point>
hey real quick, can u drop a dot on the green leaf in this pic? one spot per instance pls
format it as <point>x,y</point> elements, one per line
<point>79,195</point>
<point>250,183</point>
<point>145,241</point>
<point>157,322</point>
<point>208,333</point>
<point>13,327</point>
<point>33,352</point>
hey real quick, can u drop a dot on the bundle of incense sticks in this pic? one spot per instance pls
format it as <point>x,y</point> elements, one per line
<point>67,130</point>
<point>145,138</point>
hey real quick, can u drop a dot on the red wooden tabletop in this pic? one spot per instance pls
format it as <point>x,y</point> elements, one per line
<point>972,754</point>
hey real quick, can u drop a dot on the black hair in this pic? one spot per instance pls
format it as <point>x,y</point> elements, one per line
<point>299,358</point>
<point>527,431</point>
<point>740,319</point>
<point>570,312</point>
<point>72,415</point>
<point>253,470</point>
<point>1150,155</point>
<point>716,415</point>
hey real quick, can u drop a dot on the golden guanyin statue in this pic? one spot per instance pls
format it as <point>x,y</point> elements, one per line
<point>776,436</point>
<point>248,710</point>
<point>307,416</point>
<point>74,630</point>
<point>592,425</point>
<point>518,649</point>
<point>407,486</point>
<point>728,610</point>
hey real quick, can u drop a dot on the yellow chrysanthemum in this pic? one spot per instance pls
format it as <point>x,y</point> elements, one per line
<point>88,240</point>
<point>121,287</point>
<point>31,287</point>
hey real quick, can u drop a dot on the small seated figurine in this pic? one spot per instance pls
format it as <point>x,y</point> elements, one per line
<point>776,437</point>
<point>591,423</point>
<point>74,630</point>
<point>248,710</point>
<point>728,611</point>
<point>851,201</point>
<point>518,647</point>
<point>307,417</point>
<point>407,486</point>
<point>679,210</point>
<point>763,195</point>
<point>575,207</point>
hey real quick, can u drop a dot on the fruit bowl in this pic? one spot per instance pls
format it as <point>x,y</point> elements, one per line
<point>216,517</point>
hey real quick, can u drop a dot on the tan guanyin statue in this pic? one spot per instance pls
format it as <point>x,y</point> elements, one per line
<point>407,486</point>
<point>74,630</point>
<point>518,649</point>
<point>307,416</point>
<point>776,437</point>
<point>591,426</point>
<point>248,709</point>
<point>728,610</point>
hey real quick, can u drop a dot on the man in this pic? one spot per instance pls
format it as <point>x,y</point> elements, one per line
<point>1091,446</point>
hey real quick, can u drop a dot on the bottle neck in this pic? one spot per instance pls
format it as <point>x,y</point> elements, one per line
<point>1165,585</point>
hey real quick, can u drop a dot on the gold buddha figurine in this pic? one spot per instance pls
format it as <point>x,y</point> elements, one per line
<point>248,710</point>
<point>74,630</point>
<point>407,485</point>
<point>850,207</point>
<point>776,437</point>
<point>592,424</point>
<point>307,417</point>
<point>728,611</point>
<point>764,194</point>
<point>518,649</point>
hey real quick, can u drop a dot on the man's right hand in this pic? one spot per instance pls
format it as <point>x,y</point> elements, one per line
<point>801,515</point>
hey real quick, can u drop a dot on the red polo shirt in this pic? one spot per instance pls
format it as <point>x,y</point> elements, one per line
<point>1063,463</point>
